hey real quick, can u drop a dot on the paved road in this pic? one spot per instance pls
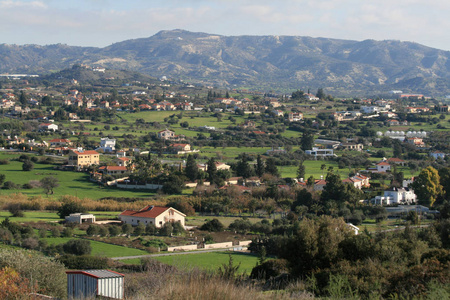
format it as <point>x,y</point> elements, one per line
<point>172,253</point>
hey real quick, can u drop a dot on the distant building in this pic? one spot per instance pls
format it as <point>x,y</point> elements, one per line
<point>48,127</point>
<point>80,218</point>
<point>166,134</point>
<point>83,158</point>
<point>316,152</point>
<point>396,196</point>
<point>156,215</point>
<point>60,143</point>
<point>437,154</point>
<point>383,167</point>
<point>107,145</point>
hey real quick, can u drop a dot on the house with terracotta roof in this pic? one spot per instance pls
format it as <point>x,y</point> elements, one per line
<point>437,154</point>
<point>166,134</point>
<point>122,161</point>
<point>59,143</point>
<point>155,215</point>
<point>83,158</point>
<point>383,167</point>
<point>397,161</point>
<point>113,170</point>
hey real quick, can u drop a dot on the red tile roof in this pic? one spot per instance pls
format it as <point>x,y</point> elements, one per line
<point>147,212</point>
<point>86,152</point>
<point>113,168</point>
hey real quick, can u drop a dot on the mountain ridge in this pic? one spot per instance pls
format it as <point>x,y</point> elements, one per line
<point>269,62</point>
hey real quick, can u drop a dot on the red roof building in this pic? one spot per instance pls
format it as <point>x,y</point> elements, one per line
<point>155,215</point>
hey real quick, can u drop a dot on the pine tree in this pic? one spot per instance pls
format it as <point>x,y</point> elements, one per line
<point>301,170</point>
<point>259,167</point>
<point>191,170</point>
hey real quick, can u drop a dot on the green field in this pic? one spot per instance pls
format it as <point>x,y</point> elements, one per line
<point>211,260</point>
<point>70,183</point>
<point>48,216</point>
<point>102,249</point>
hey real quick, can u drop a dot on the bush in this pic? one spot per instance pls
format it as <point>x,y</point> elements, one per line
<point>9,185</point>
<point>167,229</point>
<point>4,162</point>
<point>78,247</point>
<point>213,225</point>
<point>48,274</point>
<point>93,230</point>
<point>67,232</point>
<point>114,230</point>
<point>270,268</point>
<point>27,166</point>
<point>84,262</point>
<point>16,210</point>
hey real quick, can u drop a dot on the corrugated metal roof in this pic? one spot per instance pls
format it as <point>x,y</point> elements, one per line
<point>98,273</point>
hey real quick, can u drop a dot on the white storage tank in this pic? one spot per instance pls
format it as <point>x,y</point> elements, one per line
<point>92,283</point>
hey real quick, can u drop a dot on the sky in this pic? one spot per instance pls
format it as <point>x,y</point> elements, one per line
<point>99,23</point>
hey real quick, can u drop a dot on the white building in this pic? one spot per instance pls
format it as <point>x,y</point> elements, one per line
<point>80,218</point>
<point>156,215</point>
<point>396,196</point>
<point>107,145</point>
<point>320,152</point>
<point>437,154</point>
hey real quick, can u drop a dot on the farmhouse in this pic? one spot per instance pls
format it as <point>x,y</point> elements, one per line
<point>83,158</point>
<point>48,127</point>
<point>166,134</point>
<point>113,170</point>
<point>156,215</point>
<point>60,143</point>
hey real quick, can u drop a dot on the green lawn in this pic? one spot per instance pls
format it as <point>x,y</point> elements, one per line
<point>70,183</point>
<point>211,260</point>
<point>48,216</point>
<point>102,249</point>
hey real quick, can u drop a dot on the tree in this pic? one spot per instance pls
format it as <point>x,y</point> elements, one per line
<point>334,189</point>
<point>145,168</point>
<point>211,169</point>
<point>27,165</point>
<point>212,225</point>
<point>427,186</point>
<point>2,179</point>
<point>271,167</point>
<point>23,99</point>
<point>320,94</point>
<point>48,184</point>
<point>307,141</point>
<point>243,167</point>
<point>259,167</point>
<point>70,208</point>
<point>173,185</point>
<point>191,170</point>
<point>301,170</point>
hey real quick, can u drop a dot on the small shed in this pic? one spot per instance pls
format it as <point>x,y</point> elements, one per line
<point>92,283</point>
<point>80,218</point>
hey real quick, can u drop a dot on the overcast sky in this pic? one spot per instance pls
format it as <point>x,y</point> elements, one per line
<point>100,23</point>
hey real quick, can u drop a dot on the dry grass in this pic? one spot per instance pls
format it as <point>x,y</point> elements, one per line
<point>160,281</point>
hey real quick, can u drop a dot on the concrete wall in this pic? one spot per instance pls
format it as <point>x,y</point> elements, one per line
<point>182,248</point>
<point>244,243</point>
<point>219,245</point>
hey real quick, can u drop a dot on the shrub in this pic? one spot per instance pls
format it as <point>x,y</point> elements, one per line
<point>27,166</point>
<point>15,209</point>
<point>47,274</point>
<point>167,229</point>
<point>4,162</point>
<point>270,268</point>
<point>30,243</point>
<point>93,230</point>
<point>84,262</point>
<point>67,232</point>
<point>9,185</point>
<point>114,230</point>
<point>77,247</point>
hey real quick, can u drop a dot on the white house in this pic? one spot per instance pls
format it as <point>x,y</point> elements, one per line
<point>396,196</point>
<point>320,152</point>
<point>107,145</point>
<point>437,154</point>
<point>383,167</point>
<point>48,127</point>
<point>156,215</point>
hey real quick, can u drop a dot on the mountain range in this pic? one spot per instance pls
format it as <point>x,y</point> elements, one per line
<point>278,63</point>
